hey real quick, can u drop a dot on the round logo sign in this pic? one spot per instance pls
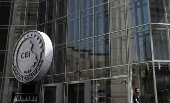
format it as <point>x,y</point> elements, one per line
<point>32,56</point>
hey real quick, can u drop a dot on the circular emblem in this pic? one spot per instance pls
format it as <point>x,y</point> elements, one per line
<point>32,56</point>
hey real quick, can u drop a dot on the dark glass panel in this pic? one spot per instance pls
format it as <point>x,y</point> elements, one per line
<point>101,20</point>
<point>86,54</point>
<point>60,57</point>
<point>62,8</point>
<point>50,94</point>
<point>3,38</point>
<point>50,31</point>
<point>51,7</point>
<point>2,62</point>
<point>47,79</point>
<point>61,31</point>
<point>59,78</point>
<point>86,24</point>
<point>5,9</point>
<point>102,51</point>
<point>42,12</point>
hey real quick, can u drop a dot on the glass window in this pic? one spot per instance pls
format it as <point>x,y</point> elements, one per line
<point>140,44</point>
<point>160,35</point>
<point>61,31</point>
<point>85,4</point>
<point>86,54</point>
<point>2,61</point>
<point>119,70</point>
<point>5,9</point>
<point>111,90</point>
<point>102,73</point>
<point>10,87</point>
<point>59,59</point>
<point>119,51</point>
<point>42,12</point>
<point>98,2</point>
<point>87,24</point>
<point>47,79</point>
<point>117,15</point>
<point>31,14</point>
<point>73,57</point>
<point>137,12</point>
<point>73,28</point>
<point>142,78</point>
<point>59,78</point>
<point>160,11</point>
<point>101,20</point>
<point>72,76</point>
<point>50,31</point>
<point>101,51</point>
<point>3,38</point>
<point>73,6</point>
<point>41,28</point>
<point>51,7</point>
<point>162,71</point>
<point>62,8</point>
<point>86,75</point>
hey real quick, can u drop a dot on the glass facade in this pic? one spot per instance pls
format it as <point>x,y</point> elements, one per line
<point>103,49</point>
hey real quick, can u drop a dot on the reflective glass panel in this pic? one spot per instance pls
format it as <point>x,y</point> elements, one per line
<point>160,11</point>
<point>119,52</point>
<point>59,59</point>
<point>5,8</point>
<point>62,8</point>
<point>2,61</point>
<point>50,94</point>
<point>50,31</point>
<point>59,78</point>
<point>160,35</point>
<point>140,49</point>
<point>137,12</point>
<point>73,28</point>
<point>87,24</point>
<point>101,20</point>
<point>72,57</point>
<point>86,4</point>
<point>3,38</point>
<point>10,87</point>
<point>119,71</point>
<point>73,6</point>
<point>86,75</point>
<point>61,25</point>
<point>51,7</point>
<point>42,12</point>
<point>86,54</point>
<point>98,2</point>
<point>101,53</point>
<point>117,15</point>
<point>142,78</point>
<point>102,73</point>
<point>111,90</point>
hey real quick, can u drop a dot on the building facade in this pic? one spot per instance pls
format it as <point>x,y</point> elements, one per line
<point>103,49</point>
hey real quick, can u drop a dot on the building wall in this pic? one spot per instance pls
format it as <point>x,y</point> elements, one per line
<point>117,45</point>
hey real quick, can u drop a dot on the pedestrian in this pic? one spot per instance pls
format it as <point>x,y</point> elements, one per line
<point>136,97</point>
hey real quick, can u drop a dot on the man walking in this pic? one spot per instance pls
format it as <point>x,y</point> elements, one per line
<point>136,97</point>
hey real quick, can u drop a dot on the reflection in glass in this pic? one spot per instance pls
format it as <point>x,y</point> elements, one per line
<point>59,78</point>
<point>73,76</point>
<point>160,11</point>
<point>51,7</point>
<point>101,51</point>
<point>118,44</point>
<point>10,87</point>
<point>160,35</point>
<point>59,59</point>
<point>142,78</point>
<point>72,57</point>
<point>101,20</point>
<point>50,94</point>
<point>73,28</point>
<point>98,2</point>
<point>87,24</point>
<point>86,4</point>
<point>102,73</point>
<point>47,80</point>
<point>140,44</point>
<point>162,71</point>
<point>73,6</point>
<point>119,71</point>
<point>86,75</point>
<point>112,90</point>
<point>117,15</point>
<point>86,54</point>
<point>137,12</point>
<point>61,31</point>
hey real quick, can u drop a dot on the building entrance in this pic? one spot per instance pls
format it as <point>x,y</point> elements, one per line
<point>79,92</point>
